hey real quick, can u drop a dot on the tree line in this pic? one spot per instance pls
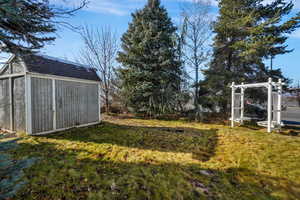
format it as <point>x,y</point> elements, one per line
<point>160,67</point>
<point>156,55</point>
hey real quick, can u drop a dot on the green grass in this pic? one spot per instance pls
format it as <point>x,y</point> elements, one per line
<point>151,159</point>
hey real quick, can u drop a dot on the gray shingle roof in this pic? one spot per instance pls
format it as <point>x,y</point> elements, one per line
<point>51,66</point>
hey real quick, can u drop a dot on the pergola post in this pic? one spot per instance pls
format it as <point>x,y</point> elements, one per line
<point>270,88</point>
<point>242,103</point>
<point>232,103</point>
<point>279,109</point>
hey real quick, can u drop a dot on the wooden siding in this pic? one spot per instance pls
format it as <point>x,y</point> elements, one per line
<point>19,115</point>
<point>4,104</point>
<point>76,103</point>
<point>17,66</point>
<point>14,67</point>
<point>41,104</point>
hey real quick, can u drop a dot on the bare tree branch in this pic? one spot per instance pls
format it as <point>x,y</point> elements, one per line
<point>99,51</point>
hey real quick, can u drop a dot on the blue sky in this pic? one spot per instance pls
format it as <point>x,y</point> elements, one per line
<point>116,14</point>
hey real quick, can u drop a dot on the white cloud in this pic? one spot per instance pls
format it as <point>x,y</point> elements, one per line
<point>107,7</point>
<point>296,2</point>
<point>114,7</point>
<point>125,7</point>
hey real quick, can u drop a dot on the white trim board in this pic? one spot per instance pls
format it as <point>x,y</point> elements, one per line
<point>11,104</point>
<point>63,78</point>
<point>258,85</point>
<point>12,75</point>
<point>99,100</point>
<point>7,63</point>
<point>64,129</point>
<point>54,103</point>
<point>28,102</point>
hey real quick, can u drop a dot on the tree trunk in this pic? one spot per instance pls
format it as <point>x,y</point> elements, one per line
<point>197,113</point>
<point>196,87</point>
<point>106,103</point>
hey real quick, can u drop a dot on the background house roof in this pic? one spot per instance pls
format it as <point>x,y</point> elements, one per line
<point>54,66</point>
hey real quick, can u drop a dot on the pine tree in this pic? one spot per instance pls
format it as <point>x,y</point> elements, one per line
<point>247,33</point>
<point>151,69</point>
<point>25,25</point>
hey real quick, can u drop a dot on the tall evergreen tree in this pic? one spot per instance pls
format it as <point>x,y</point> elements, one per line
<point>151,70</point>
<point>247,33</point>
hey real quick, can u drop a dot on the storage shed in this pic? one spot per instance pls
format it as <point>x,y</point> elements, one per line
<point>41,94</point>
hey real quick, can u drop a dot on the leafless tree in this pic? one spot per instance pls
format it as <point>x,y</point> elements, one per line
<point>197,23</point>
<point>99,51</point>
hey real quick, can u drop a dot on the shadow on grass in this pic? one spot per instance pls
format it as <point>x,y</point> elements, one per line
<point>11,170</point>
<point>201,143</point>
<point>287,130</point>
<point>78,174</point>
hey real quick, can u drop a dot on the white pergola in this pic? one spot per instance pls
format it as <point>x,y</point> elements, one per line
<point>274,111</point>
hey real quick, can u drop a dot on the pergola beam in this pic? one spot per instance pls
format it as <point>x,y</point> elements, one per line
<point>254,85</point>
<point>258,85</point>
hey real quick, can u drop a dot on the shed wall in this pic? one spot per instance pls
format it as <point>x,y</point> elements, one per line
<point>17,66</point>
<point>14,67</point>
<point>77,103</point>
<point>41,105</point>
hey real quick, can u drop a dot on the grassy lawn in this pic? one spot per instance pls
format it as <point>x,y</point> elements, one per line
<point>151,159</point>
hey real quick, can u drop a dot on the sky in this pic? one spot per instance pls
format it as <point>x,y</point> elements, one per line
<point>117,14</point>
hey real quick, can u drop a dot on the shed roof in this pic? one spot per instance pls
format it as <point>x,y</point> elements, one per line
<point>54,66</point>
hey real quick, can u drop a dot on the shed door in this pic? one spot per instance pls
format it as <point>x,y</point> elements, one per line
<point>12,108</point>
<point>42,105</point>
<point>4,104</point>
<point>19,120</point>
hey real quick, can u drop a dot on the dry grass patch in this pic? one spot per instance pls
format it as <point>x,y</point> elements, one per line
<point>152,159</point>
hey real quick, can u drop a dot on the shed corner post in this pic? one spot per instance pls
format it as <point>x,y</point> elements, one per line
<point>54,103</point>
<point>11,104</point>
<point>99,101</point>
<point>270,88</point>
<point>279,106</point>
<point>28,104</point>
<point>232,103</point>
